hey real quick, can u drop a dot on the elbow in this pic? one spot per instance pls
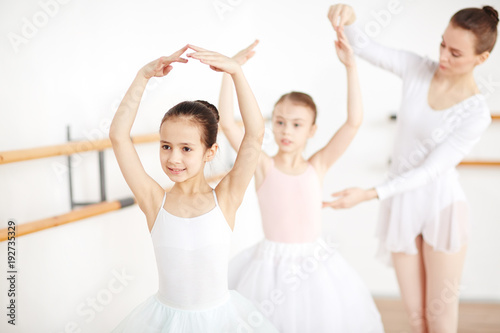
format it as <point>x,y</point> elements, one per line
<point>355,123</point>
<point>261,131</point>
<point>112,134</point>
<point>257,135</point>
<point>115,135</point>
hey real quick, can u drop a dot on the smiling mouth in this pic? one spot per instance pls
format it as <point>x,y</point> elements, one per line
<point>286,142</point>
<point>176,170</point>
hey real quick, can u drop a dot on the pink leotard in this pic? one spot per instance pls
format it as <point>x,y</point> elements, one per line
<point>290,206</point>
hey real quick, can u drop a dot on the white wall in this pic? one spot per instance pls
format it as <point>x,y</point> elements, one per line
<point>73,70</point>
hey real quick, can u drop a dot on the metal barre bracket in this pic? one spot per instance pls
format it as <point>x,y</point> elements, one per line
<point>102,180</point>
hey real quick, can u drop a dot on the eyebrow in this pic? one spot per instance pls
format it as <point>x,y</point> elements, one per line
<point>452,49</point>
<point>180,144</point>
<point>295,119</point>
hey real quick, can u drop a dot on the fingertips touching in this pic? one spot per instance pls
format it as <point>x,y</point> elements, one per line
<point>196,48</point>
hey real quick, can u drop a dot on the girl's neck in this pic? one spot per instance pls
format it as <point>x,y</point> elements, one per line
<point>290,160</point>
<point>194,185</point>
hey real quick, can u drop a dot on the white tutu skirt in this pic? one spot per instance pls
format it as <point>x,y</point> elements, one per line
<point>236,315</point>
<point>438,211</point>
<point>304,288</point>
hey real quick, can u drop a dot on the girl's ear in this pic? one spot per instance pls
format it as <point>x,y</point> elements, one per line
<point>210,153</point>
<point>312,131</point>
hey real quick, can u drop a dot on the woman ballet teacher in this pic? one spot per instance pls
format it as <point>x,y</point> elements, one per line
<point>423,222</point>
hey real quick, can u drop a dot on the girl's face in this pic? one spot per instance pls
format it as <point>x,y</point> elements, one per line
<point>292,126</point>
<point>457,54</point>
<point>182,153</point>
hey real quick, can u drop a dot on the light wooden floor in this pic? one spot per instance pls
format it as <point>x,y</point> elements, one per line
<point>473,317</point>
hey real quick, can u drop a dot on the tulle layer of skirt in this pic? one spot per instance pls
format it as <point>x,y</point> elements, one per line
<point>438,211</point>
<point>306,287</point>
<point>235,315</point>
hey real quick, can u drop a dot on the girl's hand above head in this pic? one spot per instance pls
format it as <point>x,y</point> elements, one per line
<point>216,61</point>
<point>162,66</point>
<point>344,49</point>
<point>340,15</point>
<point>245,54</point>
<point>350,197</point>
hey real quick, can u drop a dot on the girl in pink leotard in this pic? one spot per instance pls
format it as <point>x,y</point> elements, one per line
<point>298,280</point>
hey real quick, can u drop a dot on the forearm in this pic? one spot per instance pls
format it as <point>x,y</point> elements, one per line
<point>127,111</point>
<point>440,160</point>
<point>354,98</point>
<point>226,102</point>
<point>250,112</point>
<point>388,58</point>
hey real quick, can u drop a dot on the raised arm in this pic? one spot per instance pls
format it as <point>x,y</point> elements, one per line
<point>338,144</point>
<point>144,188</point>
<point>232,131</point>
<point>396,61</point>
<point>232,187</point>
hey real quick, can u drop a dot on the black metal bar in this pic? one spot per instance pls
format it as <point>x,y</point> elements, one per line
<point>85,203</point>
<point>126,202</point>
<point>102,176</point>
<point>70,178</point>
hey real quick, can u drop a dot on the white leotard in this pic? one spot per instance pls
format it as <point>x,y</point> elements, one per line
<point>192,258</point>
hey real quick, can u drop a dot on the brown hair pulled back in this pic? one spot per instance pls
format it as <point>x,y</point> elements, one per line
<point>202,113</point>
<point>299,98</point>
<point>482,22</point>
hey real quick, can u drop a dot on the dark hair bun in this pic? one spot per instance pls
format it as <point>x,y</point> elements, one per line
<point>482,22</point>
<point>211,107</point>
<point>491,12</point>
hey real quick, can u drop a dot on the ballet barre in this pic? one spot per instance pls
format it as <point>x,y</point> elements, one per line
<point>72,216</point>
<point>480,163</point>
<point>69,148</point>
<point>494,116</point>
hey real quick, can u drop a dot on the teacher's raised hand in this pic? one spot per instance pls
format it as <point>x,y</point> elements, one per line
<point>340,15</point>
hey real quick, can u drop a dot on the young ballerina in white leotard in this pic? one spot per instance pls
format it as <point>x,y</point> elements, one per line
<point>423,218</point>
<point>191,225</point>
<point>296,278</point>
